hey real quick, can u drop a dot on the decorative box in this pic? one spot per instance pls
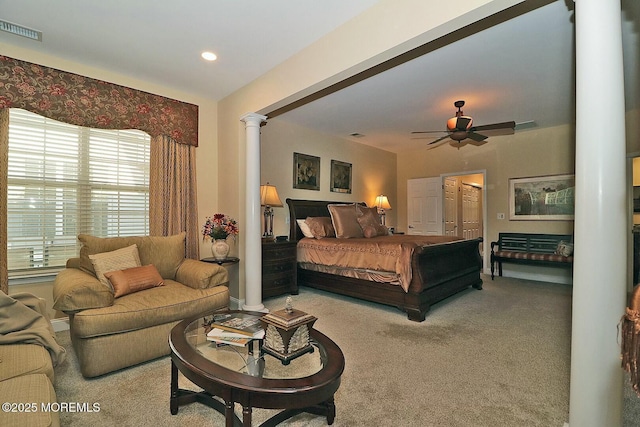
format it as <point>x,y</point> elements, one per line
<point>287,333</point>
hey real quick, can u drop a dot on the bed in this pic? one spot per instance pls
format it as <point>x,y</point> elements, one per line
<point>438,266</point>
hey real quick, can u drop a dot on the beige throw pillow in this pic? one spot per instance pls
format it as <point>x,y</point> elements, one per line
<point>369,220</point>
<point>119,259</point>
<point>320,227</point>
<point>345,221</point>
<point>134,279</point>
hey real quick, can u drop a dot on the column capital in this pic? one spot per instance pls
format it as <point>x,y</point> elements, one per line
<point>253,118</point>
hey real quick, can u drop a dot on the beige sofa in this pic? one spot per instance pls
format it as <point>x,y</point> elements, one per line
<point>28,354</point>
<point>109,333</point>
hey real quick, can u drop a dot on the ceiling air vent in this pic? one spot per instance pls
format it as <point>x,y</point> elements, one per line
<point>20,30</point>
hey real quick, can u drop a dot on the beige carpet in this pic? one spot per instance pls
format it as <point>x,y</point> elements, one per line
<point>496,357</point>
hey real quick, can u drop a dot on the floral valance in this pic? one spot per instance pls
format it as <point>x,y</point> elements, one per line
<point>82,101</point>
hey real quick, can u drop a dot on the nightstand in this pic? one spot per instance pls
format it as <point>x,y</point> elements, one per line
<point>279,268</point>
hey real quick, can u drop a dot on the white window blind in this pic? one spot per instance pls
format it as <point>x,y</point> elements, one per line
<point>65,180</point>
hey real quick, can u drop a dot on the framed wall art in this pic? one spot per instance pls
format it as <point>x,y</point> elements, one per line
<point>306,172</point>
<point>548,198</point>
<point>340,177</point>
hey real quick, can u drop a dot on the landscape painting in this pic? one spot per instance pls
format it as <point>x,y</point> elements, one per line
<point>542,198</point>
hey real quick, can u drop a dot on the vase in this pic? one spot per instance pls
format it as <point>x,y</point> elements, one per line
<point>220,249</point>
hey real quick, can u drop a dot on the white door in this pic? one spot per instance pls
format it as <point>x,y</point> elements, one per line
<point>424,206</point>
<point>471,211</point>
<point>451,219</point>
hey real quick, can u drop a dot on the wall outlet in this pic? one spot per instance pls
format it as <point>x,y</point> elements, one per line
<point>500,215</point>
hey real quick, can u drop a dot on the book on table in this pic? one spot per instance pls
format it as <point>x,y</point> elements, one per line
<point>220,336</point>
<point>240,323</point>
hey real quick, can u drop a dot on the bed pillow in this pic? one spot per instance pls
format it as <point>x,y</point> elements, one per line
<point>345,221</point>
<point>370,223</point>
<point>119,259</point>
<point>320,226</point>
<point>134,279</point>
<point>304,227</point>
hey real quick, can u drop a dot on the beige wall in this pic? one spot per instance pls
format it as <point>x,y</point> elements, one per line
<point>539,152</point>
<point>373,170</point>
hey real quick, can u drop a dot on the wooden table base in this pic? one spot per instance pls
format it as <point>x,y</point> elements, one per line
<point>180,397</point>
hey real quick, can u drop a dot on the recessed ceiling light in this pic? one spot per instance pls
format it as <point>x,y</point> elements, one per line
<point>209,56</point>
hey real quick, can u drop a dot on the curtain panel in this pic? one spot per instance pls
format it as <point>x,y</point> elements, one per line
<point>83,101</point>
<point>4,166</point>
<point>172,192</point>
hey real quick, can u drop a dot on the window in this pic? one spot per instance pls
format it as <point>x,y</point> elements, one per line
<point>64,180</point>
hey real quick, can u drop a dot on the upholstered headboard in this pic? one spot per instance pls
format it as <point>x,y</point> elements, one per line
<point>301,209</point>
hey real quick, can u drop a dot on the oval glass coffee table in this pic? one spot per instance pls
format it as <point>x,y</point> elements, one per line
<point>245,376</point>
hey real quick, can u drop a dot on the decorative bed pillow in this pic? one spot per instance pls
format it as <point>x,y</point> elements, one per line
<point>320,226</point>
<point>564,248</point>
<point>119,259</point>
<point>304,227</point>
<point>134,279</point>
<point>344,220</point>
<point>369,220</point>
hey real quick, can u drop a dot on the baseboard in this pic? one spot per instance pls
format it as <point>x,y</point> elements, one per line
<point>60,324</point>
<point>544,274</point>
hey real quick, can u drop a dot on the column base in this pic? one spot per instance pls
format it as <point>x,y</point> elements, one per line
<point>259,307</point>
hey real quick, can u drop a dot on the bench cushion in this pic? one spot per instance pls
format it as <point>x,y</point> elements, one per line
<point>533,256</point>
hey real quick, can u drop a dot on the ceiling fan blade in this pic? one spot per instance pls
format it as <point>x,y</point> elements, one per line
<point>463,123</point>
<point>439,139</point>
<point>438,142</point>
<point>495,129</point>
<point>476,136</point>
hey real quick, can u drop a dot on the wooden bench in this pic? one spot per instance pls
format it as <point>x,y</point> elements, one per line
<point>530,248</point>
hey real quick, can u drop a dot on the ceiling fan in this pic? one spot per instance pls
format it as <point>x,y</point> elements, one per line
<point>461,131</point>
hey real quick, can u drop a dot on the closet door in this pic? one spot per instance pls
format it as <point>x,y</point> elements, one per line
<point>424,206</point>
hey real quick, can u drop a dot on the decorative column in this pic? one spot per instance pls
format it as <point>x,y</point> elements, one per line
<point>253,239</point>
<point>601,230</point>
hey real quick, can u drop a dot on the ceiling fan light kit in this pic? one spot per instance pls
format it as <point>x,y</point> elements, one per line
<point>460,128</point>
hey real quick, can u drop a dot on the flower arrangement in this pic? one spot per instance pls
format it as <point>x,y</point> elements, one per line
<point>220,226</point>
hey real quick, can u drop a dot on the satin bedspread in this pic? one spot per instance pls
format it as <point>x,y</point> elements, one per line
<point>382,253</point>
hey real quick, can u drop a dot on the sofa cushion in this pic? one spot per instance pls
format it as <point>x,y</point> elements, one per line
<point>24,359</point>
<point>31,389</point>
<point>119,259</point>
<point>164,304</point>
<point>165,252</point>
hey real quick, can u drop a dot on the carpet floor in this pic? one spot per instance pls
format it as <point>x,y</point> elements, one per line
<point>496,357</point>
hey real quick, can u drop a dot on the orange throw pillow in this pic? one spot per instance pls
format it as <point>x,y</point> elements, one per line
<point>134,279</point>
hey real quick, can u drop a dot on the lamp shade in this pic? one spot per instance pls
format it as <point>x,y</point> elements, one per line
<point>382,202</point>
<point>269,196</point>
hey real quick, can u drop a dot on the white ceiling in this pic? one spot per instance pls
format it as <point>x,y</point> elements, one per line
<point>521,69</point>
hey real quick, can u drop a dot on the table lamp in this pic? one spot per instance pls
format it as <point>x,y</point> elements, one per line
<point>382,203</point>
<point>269,199</point>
